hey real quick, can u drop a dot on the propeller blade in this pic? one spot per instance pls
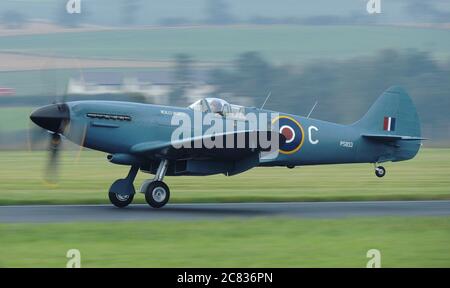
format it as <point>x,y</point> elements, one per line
<point>51,173</point>
<point>81,143</point>
<point>36,136</point>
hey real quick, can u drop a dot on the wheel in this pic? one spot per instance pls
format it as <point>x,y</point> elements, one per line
<point>157,194</point>
<point>380,171</point>
<point>119,200</point>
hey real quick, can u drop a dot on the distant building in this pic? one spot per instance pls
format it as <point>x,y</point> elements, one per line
<point>154,86</point>
<point>4,91</point>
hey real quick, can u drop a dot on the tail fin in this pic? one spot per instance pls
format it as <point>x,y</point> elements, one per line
<point>392,114</point>
<point>393,118</point>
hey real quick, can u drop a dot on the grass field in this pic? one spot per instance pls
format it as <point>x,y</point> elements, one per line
<point>87,180</point>
<point>14,118</point>
<point>41,82</point>
<point>287,44</point>
<point>279,242</point>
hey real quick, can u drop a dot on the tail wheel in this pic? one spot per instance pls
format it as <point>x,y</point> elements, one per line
<point>380,171</point>
<point>157,194</point>
<point>120,200</point>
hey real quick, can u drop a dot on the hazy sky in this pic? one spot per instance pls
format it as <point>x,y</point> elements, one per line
<point>109,12</point>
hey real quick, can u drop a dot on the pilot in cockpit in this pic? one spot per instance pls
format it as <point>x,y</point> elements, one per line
<point>216,106</point>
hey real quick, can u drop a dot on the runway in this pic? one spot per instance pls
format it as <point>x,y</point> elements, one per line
<point>139,212</point>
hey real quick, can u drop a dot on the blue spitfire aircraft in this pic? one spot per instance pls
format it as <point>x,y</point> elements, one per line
<point>142,136</point>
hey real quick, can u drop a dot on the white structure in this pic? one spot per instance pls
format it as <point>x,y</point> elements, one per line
<point>156,90</point>
<point>155,86</point>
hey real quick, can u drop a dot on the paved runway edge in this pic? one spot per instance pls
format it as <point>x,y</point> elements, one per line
<point>138,212</point>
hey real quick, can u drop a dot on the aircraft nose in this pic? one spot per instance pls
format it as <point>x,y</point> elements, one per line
<point>53,117</point>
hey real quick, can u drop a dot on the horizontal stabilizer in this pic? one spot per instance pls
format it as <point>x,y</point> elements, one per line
<point>390,137</point>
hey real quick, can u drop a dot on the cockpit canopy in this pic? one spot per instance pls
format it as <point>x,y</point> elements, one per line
<point>219,106</point>
<point>215,105</point>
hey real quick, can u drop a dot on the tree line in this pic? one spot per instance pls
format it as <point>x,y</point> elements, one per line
<point>344,89</point>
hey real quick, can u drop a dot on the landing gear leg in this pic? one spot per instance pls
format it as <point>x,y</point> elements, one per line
<point>157,193</point>
<point>379,170</point>
<point>121,192</point>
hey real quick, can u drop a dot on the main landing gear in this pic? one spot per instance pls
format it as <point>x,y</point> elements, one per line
<point>379,170</point>
<point>157,193</point>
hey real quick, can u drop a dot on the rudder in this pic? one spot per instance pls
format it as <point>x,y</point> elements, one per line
<point>393,113</point>
<point>393,118</point>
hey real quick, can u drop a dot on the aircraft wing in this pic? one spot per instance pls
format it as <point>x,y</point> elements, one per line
<point>194,148</point>
<point>388,137</point>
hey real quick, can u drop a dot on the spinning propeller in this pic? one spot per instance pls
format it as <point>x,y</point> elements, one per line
<point>53,120</point>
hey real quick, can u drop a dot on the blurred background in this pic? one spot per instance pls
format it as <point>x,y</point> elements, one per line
<point>175,52</point>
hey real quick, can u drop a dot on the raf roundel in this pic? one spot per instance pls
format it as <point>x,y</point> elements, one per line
<point>292,131</point>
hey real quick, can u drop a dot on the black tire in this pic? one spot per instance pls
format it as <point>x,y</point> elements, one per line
<point>157,194</point>
<point>380,171</point>
<point>120,200</point>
